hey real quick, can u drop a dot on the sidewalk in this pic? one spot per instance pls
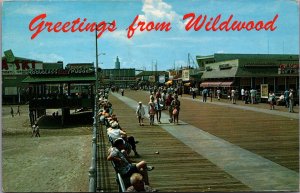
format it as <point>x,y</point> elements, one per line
<point>261,107</point>
<point>258,173</point>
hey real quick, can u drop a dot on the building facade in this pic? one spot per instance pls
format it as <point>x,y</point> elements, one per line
<point>14,70</point>
<point>250,71</point>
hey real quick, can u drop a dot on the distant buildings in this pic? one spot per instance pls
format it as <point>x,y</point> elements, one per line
<point>276,71</point>
<point>14,71</point>
<point>251,70</point>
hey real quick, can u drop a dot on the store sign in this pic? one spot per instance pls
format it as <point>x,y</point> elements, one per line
<point>288,69</point>
<point>61,71</point>
<point>19,67</point>
<point>185,75</point>
<point>264,91</point>
<point>9,56</point>
<point>162,79</point>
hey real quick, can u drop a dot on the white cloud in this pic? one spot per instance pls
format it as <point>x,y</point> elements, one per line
<point>119,35</point>
<point>153,10</point>
<point>50,57</point>
<point>157,10</point>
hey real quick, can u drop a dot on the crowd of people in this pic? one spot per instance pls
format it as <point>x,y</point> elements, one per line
<point>160,99</point>
<point>134,175</point>
<point>287,98</point>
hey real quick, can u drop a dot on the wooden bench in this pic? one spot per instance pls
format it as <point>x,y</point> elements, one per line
<point>123,183</point>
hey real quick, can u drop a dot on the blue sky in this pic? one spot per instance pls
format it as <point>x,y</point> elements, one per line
<point>146,48</point>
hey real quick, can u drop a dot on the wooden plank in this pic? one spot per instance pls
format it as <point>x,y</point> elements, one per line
<point>179,168</point>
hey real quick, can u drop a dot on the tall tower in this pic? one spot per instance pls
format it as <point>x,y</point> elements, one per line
<point>117,63</point>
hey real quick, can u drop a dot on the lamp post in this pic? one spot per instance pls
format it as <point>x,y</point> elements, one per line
<point>94,173</point>
<point>96,75</point>
<point>97,81</point>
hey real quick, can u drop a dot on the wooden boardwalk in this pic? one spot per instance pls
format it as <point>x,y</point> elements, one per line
<point>179,168</point>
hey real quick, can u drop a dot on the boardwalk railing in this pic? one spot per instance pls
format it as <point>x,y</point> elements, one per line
<point>93,171</point>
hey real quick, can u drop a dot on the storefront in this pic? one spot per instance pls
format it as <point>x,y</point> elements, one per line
<point>63,89</point>
<point>250,71</point>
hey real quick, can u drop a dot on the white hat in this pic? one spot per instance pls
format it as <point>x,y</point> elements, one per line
<point>114,124</point>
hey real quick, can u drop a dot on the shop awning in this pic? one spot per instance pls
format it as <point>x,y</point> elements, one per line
<point>59,79</point>
<point>169,82</point>
<point>210,84</point>
<point>216,84</point>
<point>226,84</point>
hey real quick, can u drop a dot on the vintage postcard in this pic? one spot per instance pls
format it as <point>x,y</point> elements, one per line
<point>150,95</point>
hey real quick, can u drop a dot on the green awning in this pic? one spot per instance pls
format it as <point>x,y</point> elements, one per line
<point>59,79</point>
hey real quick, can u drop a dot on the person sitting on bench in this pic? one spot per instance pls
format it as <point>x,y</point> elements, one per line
<point>123,165</point>
<point>115,132</point>
<point>138,184</point>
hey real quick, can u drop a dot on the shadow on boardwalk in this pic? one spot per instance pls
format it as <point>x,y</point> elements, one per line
<point>180,168</point>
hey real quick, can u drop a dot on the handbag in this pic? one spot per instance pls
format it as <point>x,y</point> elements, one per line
<point>175,111</point>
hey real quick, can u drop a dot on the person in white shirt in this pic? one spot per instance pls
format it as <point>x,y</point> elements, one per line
<point>115,132</point>
<point>233,96</point>
<point>218,93</point>
<point>242,93</point>
<point>140,112</point>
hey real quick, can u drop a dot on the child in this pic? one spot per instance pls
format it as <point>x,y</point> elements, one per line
<point>140,112</point>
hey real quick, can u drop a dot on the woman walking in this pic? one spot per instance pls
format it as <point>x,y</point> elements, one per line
<point>151,110</point>
<point>271,100</point>
<point>158,108</point>
<point>176,108</point>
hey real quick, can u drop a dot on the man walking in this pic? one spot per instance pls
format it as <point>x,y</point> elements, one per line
<point>253,95</point>
<point>291,101</point>
<point>18,111</point>
<point>286,97</point>
<point>12,112</point>
<point>204,94</point>
<point>233,96</point>
<point>242,93</point>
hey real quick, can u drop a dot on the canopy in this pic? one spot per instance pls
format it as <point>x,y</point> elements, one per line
<point>216,84</point>
<point>226,84</point>
<point>210,84</point>
<point>59,79</point>
<point>169,82</point>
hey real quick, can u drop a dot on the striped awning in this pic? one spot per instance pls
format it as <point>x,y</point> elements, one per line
<point>210,84</point>
<point>216,84</point>
<point>226,84</point>
<point>59,79</point>
<point>169,82</point>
